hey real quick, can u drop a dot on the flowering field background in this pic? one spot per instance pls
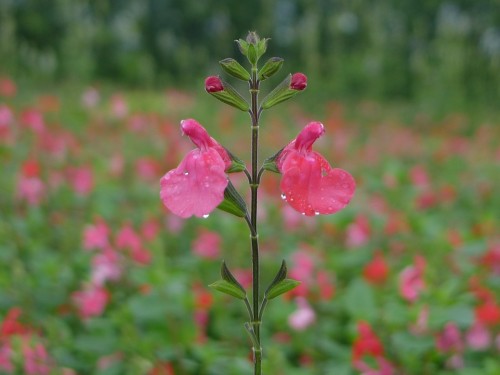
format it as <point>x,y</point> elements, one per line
<point>97,278</point>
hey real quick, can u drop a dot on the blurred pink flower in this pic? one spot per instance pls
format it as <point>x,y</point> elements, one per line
<point>147,168</point>
<point>36,360</point>
<point>30,187</point>
<point>478,337</point>
<point>81,180</point>
<point>95,236</point>
<point>303,317</point>
<point>358,232</point>
<point>5,358</point>
<point>141,256</point>
<point>91,301</point>
<point>449,340</point>
<point>411,282</point>
<point>105,266</point>
<point>309,184</point>
<point>6,117</point>
<point>119,107</point>
<point>150,229</point>
<point>419,176</point>
<point>127,238</point>
<point>116,165</point>
<point>90,98</point>
<point>421,325</point>
<point>196,187</point>
<point>376,271</point>
<point>207,245</point>
<point>366,343</point>
<point>33,119</point>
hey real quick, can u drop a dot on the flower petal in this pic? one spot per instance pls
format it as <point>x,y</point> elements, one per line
<point>196,187</point>
<point>312,187</point>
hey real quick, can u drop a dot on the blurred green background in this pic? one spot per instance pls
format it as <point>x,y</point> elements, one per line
<point>440,53</point>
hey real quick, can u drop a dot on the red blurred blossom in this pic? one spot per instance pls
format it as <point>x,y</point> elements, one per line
<point>81,180</point>
<point>11,325</point>
<point>91,301</point>
<point>376,271</point>
<point>326,285</point>
<point>449,340</point>
<point>30,187</point>
<point>488,313</point>
<point>411,281</point>
<point>298,82</point>
<point>309,184</point>
<point>303,317</point>
<point>478,337</point>
<point>196,187</point>
<point>36,359</point>
<point>95,236</point>
<point>162,368</point>
<point>8,87</point>
<point>366,343</point>
<point>358,232</point>
<point>207,245</point>
<point>491,259</point>
<point>213,84</point>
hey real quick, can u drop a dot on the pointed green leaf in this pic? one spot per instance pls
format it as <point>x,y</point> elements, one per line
<point>230,96</point>
<point>271,67</point>
<point>270,162</point>
<point>242,46</point>
<point>252,54</point>
<point>228,276</point>
<point>233,202</point>
<point>226,287</point>
<point>280,276</point>
<point>233,67</point>
<point>282,287</point>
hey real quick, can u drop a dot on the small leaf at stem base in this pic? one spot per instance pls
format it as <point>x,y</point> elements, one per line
<point>282,287</point>
<point>226,287</point>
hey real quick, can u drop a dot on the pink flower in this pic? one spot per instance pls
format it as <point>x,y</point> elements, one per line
<point>449,339</point>
<point>127,238</point>
<point>119,106</point>
<point>207,245</point>
<point>298,82</point>
<point>196,187</point>
<point>358,233</point>
<point>30,187</point>
<point>411,282</point>
<point>33,119</point>
<point>478,337</point>
<point>309,184</point>
<point>303,317</point>
<point>8,87</point>
<point>6,117</point>
<point>5,358</point>
<point>213,84</point>
<point>36,360</point>
<point>105,266</point>
<point>90,98</point>
<point>81,180</point>
<point>91,302</point>
<point>96,236</point>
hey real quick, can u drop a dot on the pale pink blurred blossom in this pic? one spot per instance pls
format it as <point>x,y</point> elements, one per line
<point>358,232</point>
<point>411,281</point>
<point>91,301</point>
<point>33,119</point>
<point>105,266</point>
<point>207,245</point>
<point>95,236</point>
<point>478,337</point>
<point>127,238</point>
<point>138,122</point>
<point>174,223</point>
<point>419,176</point>
<point>449,340</point>
<point>141,256</point>
<point>116,164</point>
<point>119,107</point>
<point>148,168</point>
<point>8,87</point>
<point>455,362</point>
<point>6,117</point>
<point>30,190</point>
<point>303,317</point>
<point>150,229</point>
<point>90,98</point>
<point>421,325</point>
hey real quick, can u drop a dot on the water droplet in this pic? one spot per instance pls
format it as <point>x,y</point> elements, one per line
<point>316,213</point>
<point>291,199</point>
<point>303,213</point>
<point>206,216</point>
<point>283,196</point>
<point>186,173</point>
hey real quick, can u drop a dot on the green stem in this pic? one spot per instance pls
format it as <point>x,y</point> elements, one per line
<point>254,185</point>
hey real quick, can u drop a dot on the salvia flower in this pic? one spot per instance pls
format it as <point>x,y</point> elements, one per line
<point>309,184</point>
<point>196,187</point>
<point>213,84</point>
<point>298,81</point>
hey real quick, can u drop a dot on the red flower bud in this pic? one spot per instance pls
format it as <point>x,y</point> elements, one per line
<point>213,84</point>
<point>298,82</point>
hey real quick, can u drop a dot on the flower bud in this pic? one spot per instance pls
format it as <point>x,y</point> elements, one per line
<point>289,87</point>
<point>298,82</point>
<point>271,67</point>
<point>232,67</point>
<point>213,84</point>
<point>224,92</point>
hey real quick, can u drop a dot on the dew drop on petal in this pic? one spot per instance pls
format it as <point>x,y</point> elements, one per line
<point>316,213</point>
<point>283,196</point>
<point>186,173</point>
<point>206,216</point>
<point>303,213</point>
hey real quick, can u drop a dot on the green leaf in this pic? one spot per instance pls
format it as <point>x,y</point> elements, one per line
<point>228,276</point>
<point>270,162</point>
<point>252,54</point>
<point>233,68</point>
<point>242,46</point>
<point>282,287</point>
<point>281,93</point>
<point>233,202</point>
<point>230,96</point>
<point>237,165</point>
<point>271,67</point>
<point>226,287</point>
<point>280,276</point>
